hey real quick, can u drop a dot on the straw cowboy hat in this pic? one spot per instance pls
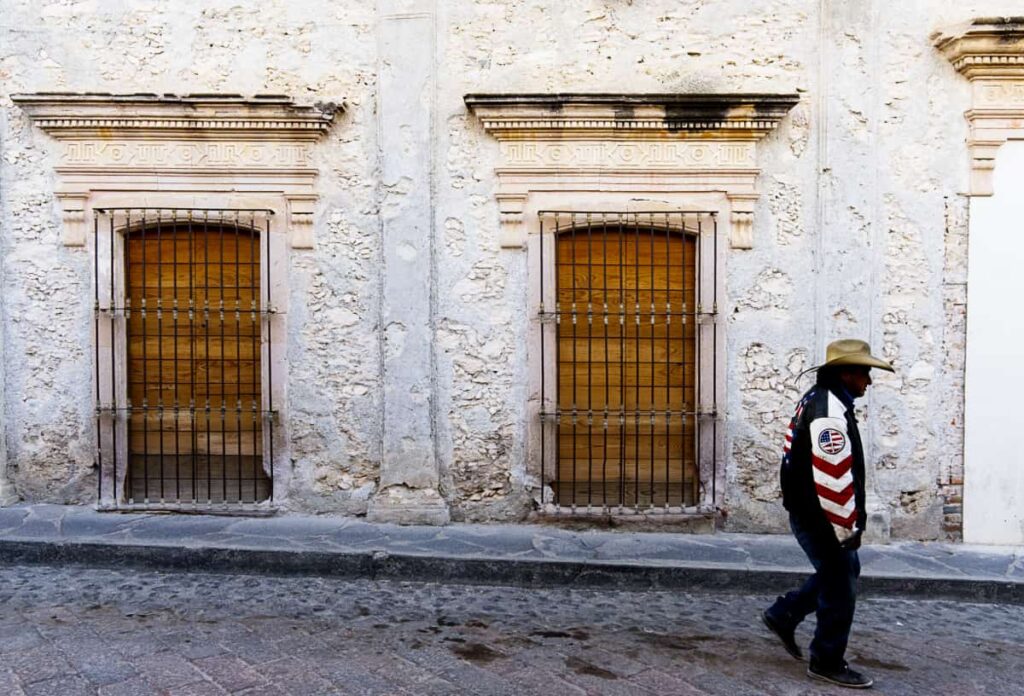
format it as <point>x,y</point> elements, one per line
<point>851,351</point>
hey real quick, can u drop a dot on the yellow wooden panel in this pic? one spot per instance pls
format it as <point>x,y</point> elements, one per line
<point>625,364</point>
<point>194,358</point>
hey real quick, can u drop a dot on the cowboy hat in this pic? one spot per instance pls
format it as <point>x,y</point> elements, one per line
<point>851,351</point>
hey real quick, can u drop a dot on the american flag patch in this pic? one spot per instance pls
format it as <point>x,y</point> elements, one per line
<point>831,441</point>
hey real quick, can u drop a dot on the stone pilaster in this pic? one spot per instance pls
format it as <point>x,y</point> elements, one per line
<point>408,492</point>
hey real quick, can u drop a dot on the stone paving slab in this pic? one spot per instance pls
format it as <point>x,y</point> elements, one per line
<point>132,632</point>
<point>531,555</point>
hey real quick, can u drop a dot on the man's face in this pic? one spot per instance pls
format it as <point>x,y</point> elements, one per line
<point>856,379</point>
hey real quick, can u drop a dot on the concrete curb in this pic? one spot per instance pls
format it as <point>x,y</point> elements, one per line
<point>489,571</point>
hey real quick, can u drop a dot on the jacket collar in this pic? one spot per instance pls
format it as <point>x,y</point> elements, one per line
<point>843,396</point>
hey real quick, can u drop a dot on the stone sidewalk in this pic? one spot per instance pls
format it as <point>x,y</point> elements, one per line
<point>519,555</point>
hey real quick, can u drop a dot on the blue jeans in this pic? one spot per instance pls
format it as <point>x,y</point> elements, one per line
<point>831,592</point>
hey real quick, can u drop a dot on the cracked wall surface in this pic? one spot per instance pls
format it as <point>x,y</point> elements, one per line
<point>860,230</point>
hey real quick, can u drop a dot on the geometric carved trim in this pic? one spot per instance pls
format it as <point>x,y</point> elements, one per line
<point>626,142</point>
<point>616,154</point>
<point>197,143</point>
<point>990,53</point>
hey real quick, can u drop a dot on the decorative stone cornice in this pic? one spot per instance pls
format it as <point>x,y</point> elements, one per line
<point>987,47</point>
<point>676,143</point>
<point>76,116</point>
<point>990,53</point>
<point>144,143</point>
<point>611,116</point>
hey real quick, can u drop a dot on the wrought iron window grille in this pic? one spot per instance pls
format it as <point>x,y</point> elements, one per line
<point>183,359</point>
<point>629,361</point>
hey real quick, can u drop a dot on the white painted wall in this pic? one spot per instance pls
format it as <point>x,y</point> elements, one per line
<point>993,453</point>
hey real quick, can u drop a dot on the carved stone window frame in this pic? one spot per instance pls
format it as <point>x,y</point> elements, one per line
<point>990,53</point>
<point>625,153</point>
<point>244,152</point>
<point>632,145</point>
<point>195,152</point>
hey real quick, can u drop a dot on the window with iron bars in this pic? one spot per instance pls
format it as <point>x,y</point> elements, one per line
<point>629,360</point>
<point>182,308</point>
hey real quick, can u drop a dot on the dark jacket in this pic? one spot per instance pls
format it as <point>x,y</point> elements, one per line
<point>823,464</point>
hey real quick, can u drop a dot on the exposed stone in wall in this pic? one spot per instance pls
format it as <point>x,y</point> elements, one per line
<point>479,421</point>
<point>799,132</point>
<point>906,455</point>
<point>772,291</point>
<point>951,368</point>
<point>769,388</point>
<point>785,202</point>
<point>48,337</point>
<point>454,236</point>
<point>334,371</point>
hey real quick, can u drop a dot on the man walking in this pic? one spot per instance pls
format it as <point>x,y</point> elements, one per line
<point>823,491</point>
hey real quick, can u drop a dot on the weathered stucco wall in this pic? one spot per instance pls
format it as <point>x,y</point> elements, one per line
<point>309,51</point>
<point>860,229</point>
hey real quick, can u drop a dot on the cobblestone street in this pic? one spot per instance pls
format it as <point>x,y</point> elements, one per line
<point>87,631</point>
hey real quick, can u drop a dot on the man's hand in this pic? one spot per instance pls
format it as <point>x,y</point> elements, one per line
<point>853,543</point>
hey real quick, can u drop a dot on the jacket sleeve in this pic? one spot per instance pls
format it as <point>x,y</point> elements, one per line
<point>831,467</point>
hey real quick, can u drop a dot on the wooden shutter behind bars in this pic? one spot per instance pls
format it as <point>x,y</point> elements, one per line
<point>622,371</point>
<point>201,365</point>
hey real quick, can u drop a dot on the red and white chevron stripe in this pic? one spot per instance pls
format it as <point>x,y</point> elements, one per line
<point>832,466</point>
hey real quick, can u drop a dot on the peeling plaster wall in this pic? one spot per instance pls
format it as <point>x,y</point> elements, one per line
<point>860,229</point>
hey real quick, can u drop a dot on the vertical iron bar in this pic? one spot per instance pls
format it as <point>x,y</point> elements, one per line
<point>543,365</point>
<point>223,370</point>
<point>698,366</point>
<point>96,352</point>
<point>254,348</point>
<point>125,247</point>
<point>113,359</point>
<point>622,363</point>
<point>635,235</point>
<point>144,278</point>
<point>607,380</point>
<point>714,365</point>
<point>590,371</point>
<point>651,367</point>
<point>270,368</point>
<point>684,401</point>
<point>160,343</point>
<point>238,354</point>
<point>206,332</point>
<point>575,479</point>
<point>174,320</point>
<point>668,358</point>
<point>557,239</point>
<point>193,435</point>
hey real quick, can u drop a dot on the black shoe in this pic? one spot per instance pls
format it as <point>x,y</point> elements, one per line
<point>844,676</point>
<point>784,634</point>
